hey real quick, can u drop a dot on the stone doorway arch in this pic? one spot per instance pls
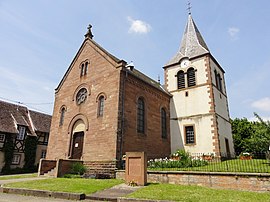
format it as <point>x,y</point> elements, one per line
<point>77,139</point>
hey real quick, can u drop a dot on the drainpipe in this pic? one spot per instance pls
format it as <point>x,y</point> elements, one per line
<point>128,67</point>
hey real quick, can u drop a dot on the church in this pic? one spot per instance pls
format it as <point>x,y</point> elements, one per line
<point>105,107</point>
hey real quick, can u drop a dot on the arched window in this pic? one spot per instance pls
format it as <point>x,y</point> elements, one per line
<point>163,123</point>
<point>140,116</point>
<point>86,68</point>
<point>82,69</point>
<point>180,79</point>
<point>191,77</point>
<point>62,116</point>
<point>100,105</point>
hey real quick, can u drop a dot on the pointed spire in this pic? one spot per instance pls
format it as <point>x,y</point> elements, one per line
<point>192,44</point>
<point>89,32</point>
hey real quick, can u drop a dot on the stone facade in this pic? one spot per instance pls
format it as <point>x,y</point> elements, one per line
<point>98,105</point>
<point>77,124</point>
<point>151,141</point>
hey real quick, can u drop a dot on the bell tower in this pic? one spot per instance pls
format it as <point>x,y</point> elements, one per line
<point>199,108</point>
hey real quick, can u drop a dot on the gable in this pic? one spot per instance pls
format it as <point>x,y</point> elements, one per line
<point>95,54</point>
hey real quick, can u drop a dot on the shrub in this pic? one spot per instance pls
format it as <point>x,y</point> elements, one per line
<point>78,168</point>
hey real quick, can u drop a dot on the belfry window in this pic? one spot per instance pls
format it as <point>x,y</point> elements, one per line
<point>140,116</point>
<point>100,105</point>
<point>218,81</point>
<point>180,79</point>
<point>191,77</point>
<point>163,123</point>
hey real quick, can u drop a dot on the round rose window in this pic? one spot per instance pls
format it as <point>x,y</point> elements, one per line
<point>81,96</point>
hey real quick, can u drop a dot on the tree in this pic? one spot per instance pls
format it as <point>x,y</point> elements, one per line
<point>242,130</point>
<point>8,153</point>
<point>250,136</point>
<point>30,153</point>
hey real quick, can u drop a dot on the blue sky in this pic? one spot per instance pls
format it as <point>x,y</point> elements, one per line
<point>39,38</point>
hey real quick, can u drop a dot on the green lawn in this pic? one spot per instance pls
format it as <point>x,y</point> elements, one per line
<point>9,177</point>
<point>74,185</point>
<point>236,165</point>
<point>152,191</point>
<point>196,193</point>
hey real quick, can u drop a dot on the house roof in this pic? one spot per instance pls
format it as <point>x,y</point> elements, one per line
<point>12,115</point>
<point>41,122</point>
<point>192,44</point>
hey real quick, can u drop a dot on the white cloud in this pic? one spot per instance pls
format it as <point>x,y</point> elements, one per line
<point>138,26</point>
<point>262,104</point>
<point>233,32</point>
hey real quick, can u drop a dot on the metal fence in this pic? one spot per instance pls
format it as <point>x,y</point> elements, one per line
<point>215,162</point>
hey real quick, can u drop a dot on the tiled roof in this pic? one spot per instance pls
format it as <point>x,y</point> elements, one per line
<point>12,115</point>
<point>41,122</point>
<point>192,44</point>
<point>148,80</point>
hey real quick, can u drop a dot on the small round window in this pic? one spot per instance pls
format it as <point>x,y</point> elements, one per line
<point>81,96</point>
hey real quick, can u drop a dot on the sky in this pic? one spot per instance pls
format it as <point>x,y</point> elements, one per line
<point>39,39</point>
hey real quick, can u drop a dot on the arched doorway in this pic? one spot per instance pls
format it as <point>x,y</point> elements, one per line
<point>77,139</point>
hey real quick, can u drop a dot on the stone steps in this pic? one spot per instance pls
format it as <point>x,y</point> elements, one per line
<point>50,173</point>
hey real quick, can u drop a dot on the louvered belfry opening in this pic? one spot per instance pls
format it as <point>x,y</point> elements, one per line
<point>191,77</point>
<point>181,79</point>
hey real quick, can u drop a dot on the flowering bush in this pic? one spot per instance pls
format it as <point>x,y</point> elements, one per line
<point>245,154</point>
<point>184,161</point>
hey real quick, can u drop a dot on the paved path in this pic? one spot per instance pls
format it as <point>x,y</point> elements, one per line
<point>114,192</point>
<point>21,180</point>
<point>22,198</point>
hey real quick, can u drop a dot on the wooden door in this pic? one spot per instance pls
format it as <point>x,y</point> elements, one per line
<point>77,147</point>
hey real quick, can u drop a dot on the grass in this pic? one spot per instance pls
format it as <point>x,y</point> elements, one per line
<point>236,165</point>
<point>151,191</point>
<point>9,177</point>
<point>73,185</point>
<point>196,193</point>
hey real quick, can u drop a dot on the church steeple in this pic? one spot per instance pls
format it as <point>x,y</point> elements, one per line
<point>192,44</point>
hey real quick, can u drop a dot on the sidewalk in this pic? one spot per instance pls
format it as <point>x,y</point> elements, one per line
<point>113,193</point>
<point>21,180</point>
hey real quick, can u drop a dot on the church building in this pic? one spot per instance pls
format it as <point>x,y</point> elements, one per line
<point>105,107</point>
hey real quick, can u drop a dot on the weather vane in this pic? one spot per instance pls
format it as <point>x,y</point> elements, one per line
<point>189,7</point>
